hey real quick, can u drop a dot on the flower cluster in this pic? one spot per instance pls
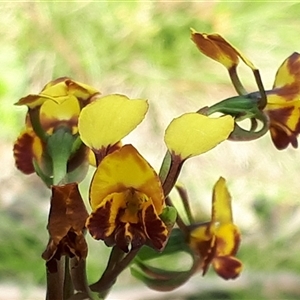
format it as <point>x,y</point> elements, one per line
<point>69,126</point>
<point>278,108</point>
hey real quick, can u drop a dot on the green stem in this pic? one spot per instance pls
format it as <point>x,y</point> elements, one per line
<point>240,134</point>
<point>236,81</point>
<point>34,115</point>
<point>172,175</point>
<point>59,284</point>
<point>185,201</point>
<point>68,289</point>
<point>55,282</point>
<point>79,277</point>
<point>108,279</point>
<point>263,100</point>
<point>165,166</point>
<point>116,255</point>
<point>179,220</point>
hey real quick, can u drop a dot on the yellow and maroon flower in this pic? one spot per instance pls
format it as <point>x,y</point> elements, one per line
<point>217,241</point>
<point>217,48</point>
<point>189,135</point>
<point>58,104</point>
<point>66,225</point>
<point>127,198</point>
<point>283,103</point>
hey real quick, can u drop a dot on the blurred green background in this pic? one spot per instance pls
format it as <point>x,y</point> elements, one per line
<point>143,49</point>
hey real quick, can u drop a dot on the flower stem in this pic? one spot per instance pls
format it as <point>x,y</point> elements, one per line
<point>179,220</point>
<point>185,201</point>
<point>173,173</point>
<point>109,277</point>
<point>165,166</point>
<point>55,282</point>
<point>79,277</point>
<point>263,99</point>
<point>34,115</point>
<point>236,81</point>
<point>68,289</point>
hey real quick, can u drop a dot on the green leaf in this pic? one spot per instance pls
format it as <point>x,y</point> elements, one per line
<point>59,147</point>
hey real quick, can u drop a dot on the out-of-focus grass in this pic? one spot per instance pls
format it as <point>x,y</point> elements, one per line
<point>143,49</point>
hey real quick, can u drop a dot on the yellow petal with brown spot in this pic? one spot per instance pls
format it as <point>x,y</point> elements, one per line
<point>288,73</point>
<point>57,111</point>
<point>228,239</point>
<point>228,267</point>
<point>126,169</point>
<point>216,47</point>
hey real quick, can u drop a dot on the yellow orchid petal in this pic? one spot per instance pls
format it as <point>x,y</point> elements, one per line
<point>27,148</point>
<point>109,119</point>
<point>33,101</point>
<point>55,90</point>
<point>59,90</point>
<point>219,49</point>
<point>192,134</point>
<point>102,222</point>
<point>203,242</point>
<point>200,233</point>
<point>227,234</point>
<point>282,136</point>
<point>228,239</point>
<point>228,267</point>
<point>64,87</point>
<point>288,73</point>
<point>221,204</point>
<point>154,227</point>
<point>134,202</point>
<point>283,104</point>
<point>284,123</point>
<point>200,239</point>
<point>129,234</point>
<point>52,112</point>
<point>81,90</point>
<point>289,115</point>
<point>126,169</point>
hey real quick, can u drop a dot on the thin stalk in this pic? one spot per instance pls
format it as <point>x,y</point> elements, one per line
<point>34,115</point>
<point>109,278</point>
<point>79,276</point>
<point>179,220</point>
<point>173,173</point>
<point>236,81</point>
<point>55,282</point>
<point>116,255</point>
<point>185,201</point>
<point>165,166</point>
<point>68,289</point>
<point>263,100</point>
<point>240,134</point>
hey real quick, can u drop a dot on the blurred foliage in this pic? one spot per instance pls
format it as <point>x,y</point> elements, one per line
<point>143,49</point>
